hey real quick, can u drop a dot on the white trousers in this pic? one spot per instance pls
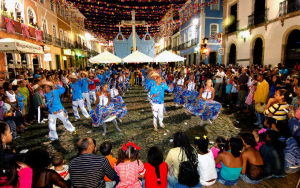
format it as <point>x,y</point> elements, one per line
<point>92,96</point>
<point>158,110</point>
<point>79,103</point>
<point>52,124</point>
<point>86,96</point>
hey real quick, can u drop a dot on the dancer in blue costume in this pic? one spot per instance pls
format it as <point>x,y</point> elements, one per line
<point>157,94</point>
<point>117,100</point>
<point>189,92</point>
<point>104,111</point>
<point>56,110</point>
<point>179,82</point>
<point>121,82</point>
<point>101,78</point>
<point>206,107</point>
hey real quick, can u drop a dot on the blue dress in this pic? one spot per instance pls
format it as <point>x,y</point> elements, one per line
<point>189,95</point>
<point>20,99</point>
<point>177,89</point>
<point>205,108</point>
<point>228,86</point>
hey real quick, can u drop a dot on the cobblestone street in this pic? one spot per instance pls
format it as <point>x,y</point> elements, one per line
<point>137,126</point>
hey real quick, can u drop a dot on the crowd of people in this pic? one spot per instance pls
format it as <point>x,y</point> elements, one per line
<point>270,94</point>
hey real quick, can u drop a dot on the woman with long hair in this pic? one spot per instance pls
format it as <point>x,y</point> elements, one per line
<point>205,106</point>
<point>188,176</point>
<point>182,151</point>
<point>189,92</point>
<point>129,167</point>
<point>156,169</point>
<point>12,174</point>
<point>117,100</point>
<point>39,160</point>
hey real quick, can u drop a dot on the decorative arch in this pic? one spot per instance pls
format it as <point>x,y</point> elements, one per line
<point>147,37</point>
<point>252,48</point>
<point>285,40</point>
<point>228,51</point>
<point>31,16</point>
<point>120,37</point>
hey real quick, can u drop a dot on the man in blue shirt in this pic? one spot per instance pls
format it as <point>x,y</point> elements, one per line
<point>56,110</point>
<point>77,97</point>
<point>157,94</point>
<point>85,89</point>
<point>101,78</point>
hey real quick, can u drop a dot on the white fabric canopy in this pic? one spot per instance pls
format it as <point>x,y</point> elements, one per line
<point>15,45</point>
<point>167,56</point>
<point>105,57</point>
<point>137,57</point>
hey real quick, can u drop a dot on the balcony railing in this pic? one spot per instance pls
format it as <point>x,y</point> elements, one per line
<point>175,48</point>
<point>232,28</point>
<point>258,17</point>
<point>47,38</point>
<point>287,7</point>
<point>63,44</point>
<point>78,45</point>
<point>57,42</point>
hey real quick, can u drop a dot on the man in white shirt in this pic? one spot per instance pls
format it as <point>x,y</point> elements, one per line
<point>219,79</point>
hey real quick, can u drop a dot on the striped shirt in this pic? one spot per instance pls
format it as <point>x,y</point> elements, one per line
<point>88,171</point>
<point>277,111</point>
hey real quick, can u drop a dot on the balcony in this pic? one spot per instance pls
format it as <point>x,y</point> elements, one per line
<point>57,42</point>
<point>47,38</point>
<point>63,44</point>
<point>232,28</point>
<point>258,17</point>
<point>175,48</point>
<point>78,45</point>
<point>287,7</point>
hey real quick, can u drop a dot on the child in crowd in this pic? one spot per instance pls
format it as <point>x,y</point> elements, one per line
<point>234,92</point>
<point>59,166</point>
<point>106,150</point>
<point>260,137</point>
<point>206,162</point>
<point>8,116</point>
<point>221,146</point>
<point>129,167</point>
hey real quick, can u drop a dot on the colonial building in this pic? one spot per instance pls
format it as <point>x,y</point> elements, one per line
<point>261,32</point>
<point>200,33</point>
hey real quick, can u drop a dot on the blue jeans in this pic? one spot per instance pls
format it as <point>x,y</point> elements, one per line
<point>172,181</point>
<point>246,179</point>
<point>259,117</point>
<point>226,182</point>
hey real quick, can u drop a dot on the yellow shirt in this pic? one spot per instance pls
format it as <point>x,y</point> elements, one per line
<point>262,92</point>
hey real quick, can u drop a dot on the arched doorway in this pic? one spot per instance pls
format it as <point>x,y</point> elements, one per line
<point>258,52</point>
<point>292,55</point>
<point>232,54</point>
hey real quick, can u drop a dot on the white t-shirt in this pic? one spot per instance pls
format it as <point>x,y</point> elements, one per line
<point>206,167</point>
<point>221,74</point>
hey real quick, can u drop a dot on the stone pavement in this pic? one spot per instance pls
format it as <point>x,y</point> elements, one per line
<point>136,126</point>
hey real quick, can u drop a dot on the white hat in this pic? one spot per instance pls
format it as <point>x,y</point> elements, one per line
<point>36,86</point>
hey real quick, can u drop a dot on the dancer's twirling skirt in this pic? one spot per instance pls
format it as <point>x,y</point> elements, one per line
<point>120,106</point>
<point>205,109</point>
<point>177,98</point>
<point>189,97</point>
<point>100,115</point>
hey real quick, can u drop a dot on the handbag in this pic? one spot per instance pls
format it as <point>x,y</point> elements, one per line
<point>260,108</point>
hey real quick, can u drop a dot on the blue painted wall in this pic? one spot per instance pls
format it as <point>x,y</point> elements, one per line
<point>211,17</point>
<point>123,48</point>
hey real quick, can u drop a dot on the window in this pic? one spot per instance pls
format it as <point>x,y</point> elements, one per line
<point>42,1</point>
<point>61,32</point>
<point>58,9</point>
<point>18,11</point>
<point>63,12</point>
<point>215,6</point>
<point>190,36</point>
<point>52,5</point>
<point>44,25</point>
<point>65,36</point>
<point>31,16</point>
<point>214,29</point>
<point>54,30</point>
<point>185,36</point>
<point>182,39</point>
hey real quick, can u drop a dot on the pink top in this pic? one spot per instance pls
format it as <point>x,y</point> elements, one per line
<point>215,152</point>
<point>258,145</point>
<point>129,174</point>
<point>25,178</point>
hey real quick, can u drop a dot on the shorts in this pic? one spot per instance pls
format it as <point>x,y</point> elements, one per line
<point>25,109</point>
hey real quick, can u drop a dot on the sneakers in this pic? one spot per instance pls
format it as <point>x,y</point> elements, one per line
<point>45,119</point>
<point>42,122</point>
<point>155,129</point>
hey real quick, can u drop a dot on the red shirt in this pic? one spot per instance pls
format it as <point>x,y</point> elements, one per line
<point>93,86</point>
<point>151,178</point>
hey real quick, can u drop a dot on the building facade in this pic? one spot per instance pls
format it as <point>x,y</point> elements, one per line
<point>261,32</point>
<point>206,24</point>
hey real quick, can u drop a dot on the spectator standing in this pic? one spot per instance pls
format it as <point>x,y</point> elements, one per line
<point>260,98</point>
<point>88,169</point>
<point>26,103</point>
<point>243,80</point>
<point>38,103</point>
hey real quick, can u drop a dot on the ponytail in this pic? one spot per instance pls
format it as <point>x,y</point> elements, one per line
<point>157,174</point>
<point>222,144</point>
<point>155,158</point>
